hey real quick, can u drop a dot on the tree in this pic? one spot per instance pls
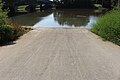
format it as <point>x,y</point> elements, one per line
<point>110,3</point>
<point>75,3</point>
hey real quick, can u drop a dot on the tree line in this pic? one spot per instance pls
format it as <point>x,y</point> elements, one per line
<point>76,3</point>
<point>65,4</point>
<point>86,3</point>
<point>73,3</point>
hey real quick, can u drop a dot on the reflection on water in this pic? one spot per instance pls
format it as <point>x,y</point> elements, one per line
<point>58,18</point>
<point>92,20</point>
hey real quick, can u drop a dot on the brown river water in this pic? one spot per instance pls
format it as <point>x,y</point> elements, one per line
<point>69,18</point>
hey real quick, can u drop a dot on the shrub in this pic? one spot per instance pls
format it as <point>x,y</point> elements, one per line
<point>6,32</point>
<point>108,26</point>
<point>18,30</point>
<point>2,18</point>
<point>9,31</point>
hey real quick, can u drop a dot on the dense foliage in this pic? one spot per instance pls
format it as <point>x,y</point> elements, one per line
<point>87,3</point>
<point>108,26</point>
<point>113,3</point>
<point>8,30</point>
<point>74,3</point>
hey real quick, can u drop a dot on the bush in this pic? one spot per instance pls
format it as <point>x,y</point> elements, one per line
<point>18,30</point>
<point>2,18</point>
<point>9,31</point>
<point>108,26</point>
<point>6,32</point>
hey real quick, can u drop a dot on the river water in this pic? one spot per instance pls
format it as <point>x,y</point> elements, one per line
<point>69,18</point>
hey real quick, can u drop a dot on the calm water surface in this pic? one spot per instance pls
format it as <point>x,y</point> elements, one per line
<point>58,19</point>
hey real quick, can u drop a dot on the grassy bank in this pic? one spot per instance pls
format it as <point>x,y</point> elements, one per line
<point>9,31</point>
<point>108,26</point>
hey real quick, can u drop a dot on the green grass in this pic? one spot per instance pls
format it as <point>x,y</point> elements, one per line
<point>108,26</point>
